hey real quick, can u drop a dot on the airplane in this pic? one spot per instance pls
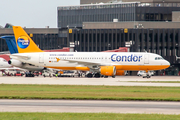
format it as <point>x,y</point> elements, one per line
<point>10,40</point>
<point>101,63</point>
<point>5,67</point>
<point>4,64</point>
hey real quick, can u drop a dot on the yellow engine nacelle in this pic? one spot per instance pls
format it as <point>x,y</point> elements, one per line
<point>120,72</point>
<point>108,70</point>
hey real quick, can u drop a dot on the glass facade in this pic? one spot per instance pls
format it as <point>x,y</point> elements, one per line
<point>74,16</point>
<point>165,42</point>
<point>156,11</point>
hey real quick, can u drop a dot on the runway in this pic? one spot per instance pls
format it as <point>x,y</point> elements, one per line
<point>89,106</point>
<point>118,81</point>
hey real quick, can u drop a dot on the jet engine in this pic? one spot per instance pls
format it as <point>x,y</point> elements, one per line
<point>108,70</point>
<point>16,63</point>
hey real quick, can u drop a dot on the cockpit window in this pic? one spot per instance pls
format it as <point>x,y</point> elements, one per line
<point>158,58</point>
<point>4,60</point>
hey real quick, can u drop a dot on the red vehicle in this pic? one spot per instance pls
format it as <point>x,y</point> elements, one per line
<point>18,73</point>
<point>37,73</point>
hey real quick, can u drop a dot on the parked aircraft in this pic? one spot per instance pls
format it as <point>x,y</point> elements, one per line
<point>10,40</point>
<point>107,64</point>
<point>4,64</point>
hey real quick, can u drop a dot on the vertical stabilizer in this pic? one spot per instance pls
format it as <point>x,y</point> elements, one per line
<point>10,40</point>
<point>23,42</point>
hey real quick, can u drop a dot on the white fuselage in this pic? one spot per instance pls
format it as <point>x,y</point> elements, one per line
<point>79,60</point>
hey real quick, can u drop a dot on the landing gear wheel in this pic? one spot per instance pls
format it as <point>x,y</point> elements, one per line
<point>113,76</point>
<point>97,75</point>
<point>89,75</point>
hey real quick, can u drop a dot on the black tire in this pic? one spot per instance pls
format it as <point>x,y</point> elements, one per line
<point>89,75</point>
<point>97,75</point>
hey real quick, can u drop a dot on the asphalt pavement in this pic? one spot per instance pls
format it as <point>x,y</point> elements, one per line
<point>89,106</point>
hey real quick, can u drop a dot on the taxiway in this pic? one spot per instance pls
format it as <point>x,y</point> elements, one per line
<point>118,81</point>
<point>89,106</point>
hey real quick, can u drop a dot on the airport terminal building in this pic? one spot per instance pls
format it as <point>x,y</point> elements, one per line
<point>152,26</point>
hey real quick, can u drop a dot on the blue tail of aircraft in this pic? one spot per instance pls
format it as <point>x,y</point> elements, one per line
<point>11,42</point>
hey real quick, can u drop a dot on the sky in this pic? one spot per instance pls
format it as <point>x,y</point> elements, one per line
<point>32,13</point>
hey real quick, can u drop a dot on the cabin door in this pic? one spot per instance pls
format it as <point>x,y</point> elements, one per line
<point>146,59</point>
<point>41,58</point>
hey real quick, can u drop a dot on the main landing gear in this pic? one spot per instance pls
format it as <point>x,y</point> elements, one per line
<point>96,75</point>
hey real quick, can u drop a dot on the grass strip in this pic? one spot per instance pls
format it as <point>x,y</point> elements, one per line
<point>83,92</point>
<point>85,116</point>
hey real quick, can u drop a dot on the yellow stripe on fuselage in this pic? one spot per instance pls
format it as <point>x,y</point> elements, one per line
<point>118,67</point>
<point>141,67</point>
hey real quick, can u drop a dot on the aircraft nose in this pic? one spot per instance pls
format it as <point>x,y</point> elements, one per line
<point>167,63</point>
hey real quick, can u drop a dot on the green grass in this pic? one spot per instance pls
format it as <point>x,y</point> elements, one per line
<point>156,81</point>
<point>89,92</point>
<point>85,116</point>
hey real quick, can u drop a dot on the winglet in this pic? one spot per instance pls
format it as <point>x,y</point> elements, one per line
<point>23,42</point>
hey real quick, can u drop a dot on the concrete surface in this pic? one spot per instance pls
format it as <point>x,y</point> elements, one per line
<point>118,81</point>
<point>89,106</point>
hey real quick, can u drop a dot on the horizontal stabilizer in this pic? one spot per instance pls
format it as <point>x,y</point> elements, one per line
<point>16,56</point>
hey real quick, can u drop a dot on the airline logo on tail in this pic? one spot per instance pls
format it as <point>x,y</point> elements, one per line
<point>23,42</point>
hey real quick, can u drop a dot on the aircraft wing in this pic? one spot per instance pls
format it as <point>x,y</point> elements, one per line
<point>6,68</point>
<point>87,63</point>
<point>12,68</point>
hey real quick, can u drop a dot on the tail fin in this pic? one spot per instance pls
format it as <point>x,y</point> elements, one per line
<point>10,40</point>
<point>23,42</point>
